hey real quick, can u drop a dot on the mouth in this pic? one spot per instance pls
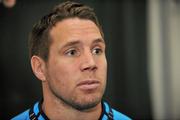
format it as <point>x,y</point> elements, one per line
<point>88,85</point>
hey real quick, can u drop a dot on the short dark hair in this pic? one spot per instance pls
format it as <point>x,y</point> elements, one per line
<point>40,41</point>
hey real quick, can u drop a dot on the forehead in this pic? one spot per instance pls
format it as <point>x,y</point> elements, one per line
<point>75,28</point>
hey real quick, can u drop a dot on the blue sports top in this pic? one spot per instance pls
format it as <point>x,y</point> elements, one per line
<point>36,113</point>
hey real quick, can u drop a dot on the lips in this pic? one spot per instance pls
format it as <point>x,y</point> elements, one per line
<point>88,84</point>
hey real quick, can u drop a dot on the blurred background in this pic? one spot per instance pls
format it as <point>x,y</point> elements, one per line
<point>143,52</point>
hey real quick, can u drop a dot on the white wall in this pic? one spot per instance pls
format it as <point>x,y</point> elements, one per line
<point>164,57</point>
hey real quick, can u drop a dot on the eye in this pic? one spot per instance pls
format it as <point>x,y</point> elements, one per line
<point>97,51</point>
<point>72,52</point>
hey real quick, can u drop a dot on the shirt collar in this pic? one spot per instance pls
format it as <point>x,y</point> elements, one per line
<point>42,116</point>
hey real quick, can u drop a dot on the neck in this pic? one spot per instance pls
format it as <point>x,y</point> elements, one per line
<point>56,109</point>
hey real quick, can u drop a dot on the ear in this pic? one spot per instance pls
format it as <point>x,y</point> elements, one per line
<point>39,67</point>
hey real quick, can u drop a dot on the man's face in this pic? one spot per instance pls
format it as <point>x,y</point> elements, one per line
<point>76,68</point>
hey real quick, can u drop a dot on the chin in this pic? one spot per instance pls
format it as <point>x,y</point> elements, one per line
<point>86,105</point>
<point>88,102</point>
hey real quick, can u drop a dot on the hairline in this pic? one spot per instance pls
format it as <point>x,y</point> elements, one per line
<point>50,39</point>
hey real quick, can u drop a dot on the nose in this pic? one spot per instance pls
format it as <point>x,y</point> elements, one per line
<point>88,62</point>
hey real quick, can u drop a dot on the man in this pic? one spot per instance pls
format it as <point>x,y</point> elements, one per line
<point>67,52</point>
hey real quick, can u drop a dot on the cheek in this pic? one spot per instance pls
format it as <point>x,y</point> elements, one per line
<point>102,64</point>
<point>63,72</point>
<point>102,69</point>
<point>61,79</point>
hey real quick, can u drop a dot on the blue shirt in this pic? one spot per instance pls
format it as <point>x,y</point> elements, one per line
<point>36,112</point>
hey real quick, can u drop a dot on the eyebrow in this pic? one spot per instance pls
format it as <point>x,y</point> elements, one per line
<point>72,43</point>
<point>99,40</point>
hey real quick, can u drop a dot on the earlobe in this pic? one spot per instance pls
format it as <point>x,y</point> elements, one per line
<point>38,67</point>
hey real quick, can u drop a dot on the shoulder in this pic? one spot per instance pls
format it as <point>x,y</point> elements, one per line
<point>22,116</point>
<point>120,116</point>
<point>116,114</point>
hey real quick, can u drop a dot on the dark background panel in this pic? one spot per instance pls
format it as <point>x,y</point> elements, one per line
<point>124,25</point>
